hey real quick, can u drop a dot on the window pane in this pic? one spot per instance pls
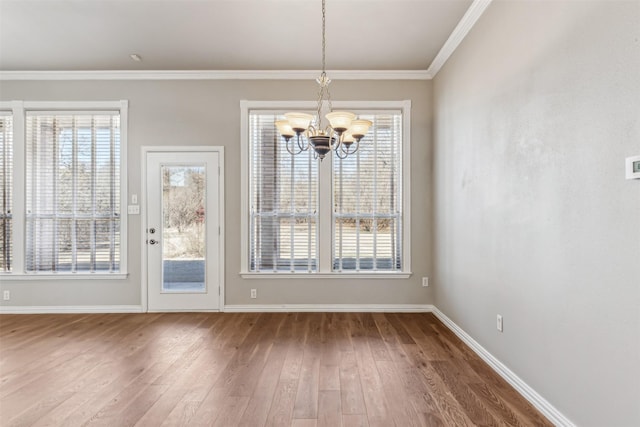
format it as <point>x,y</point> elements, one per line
<point>368,200</point>
<point>6,176</point>
<point>73,192</point>
<point>183,229</point>
<point>283,201</point>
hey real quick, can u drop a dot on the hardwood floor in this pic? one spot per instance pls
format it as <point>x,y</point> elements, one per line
<point>247,369</point>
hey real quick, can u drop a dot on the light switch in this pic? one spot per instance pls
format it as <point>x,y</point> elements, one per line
<point>632,167</point>
<point>133,210</point>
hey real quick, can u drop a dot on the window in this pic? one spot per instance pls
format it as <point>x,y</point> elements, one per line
<point>66,173</point>
<point>73,183</point>
<point>335,216</point>
<point>283,204</point>
<point>367,199</point>
<point>6,176</point>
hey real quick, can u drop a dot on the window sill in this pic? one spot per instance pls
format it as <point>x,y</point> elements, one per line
<point>64,276</point>
<point>333,276</point>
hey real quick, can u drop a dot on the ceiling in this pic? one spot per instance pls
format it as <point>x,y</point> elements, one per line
<point>73,35</point>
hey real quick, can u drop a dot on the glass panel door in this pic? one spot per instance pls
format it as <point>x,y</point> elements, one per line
<point>183,211</point>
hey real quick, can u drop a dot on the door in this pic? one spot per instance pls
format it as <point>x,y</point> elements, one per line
<point>183,231</point>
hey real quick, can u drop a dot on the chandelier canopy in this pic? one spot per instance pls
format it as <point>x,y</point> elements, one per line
<point>343,131</point>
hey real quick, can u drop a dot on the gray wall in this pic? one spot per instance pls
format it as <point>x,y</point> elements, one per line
<point>534,115</point>
<point>208,113</point>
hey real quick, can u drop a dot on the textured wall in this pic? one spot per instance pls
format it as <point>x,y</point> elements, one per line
<point>534,115</point>
<point>208,113</point>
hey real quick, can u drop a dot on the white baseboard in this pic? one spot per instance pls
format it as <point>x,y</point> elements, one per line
<point>279,308</point>
<point>53,309</point>
<point>540,403</point>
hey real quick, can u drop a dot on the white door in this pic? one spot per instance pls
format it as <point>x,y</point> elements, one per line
<point>182,231</point>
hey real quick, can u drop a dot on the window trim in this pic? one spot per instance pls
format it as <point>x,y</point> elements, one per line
<point>19,110</point>
<point>325,198</point>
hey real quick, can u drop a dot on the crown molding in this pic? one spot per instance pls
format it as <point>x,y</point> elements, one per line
<point>458,34</point>
<point>215,75</point>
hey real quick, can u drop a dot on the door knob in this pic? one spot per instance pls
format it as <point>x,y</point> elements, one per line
<point>153,242</point>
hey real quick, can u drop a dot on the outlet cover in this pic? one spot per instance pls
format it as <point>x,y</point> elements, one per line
<point>254,293</point>
<point>6,295</point>
<point>425,282</point>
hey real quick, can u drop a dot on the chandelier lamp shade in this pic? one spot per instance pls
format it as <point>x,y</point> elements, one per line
<point>341,134</point>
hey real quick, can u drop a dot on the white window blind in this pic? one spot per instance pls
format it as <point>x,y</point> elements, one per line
<point>72,192</point>
<point>367,188</point>
<point>6,175</point>
<point>283,201</point>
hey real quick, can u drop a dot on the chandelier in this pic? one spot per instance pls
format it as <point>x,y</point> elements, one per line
<point>343,132</point>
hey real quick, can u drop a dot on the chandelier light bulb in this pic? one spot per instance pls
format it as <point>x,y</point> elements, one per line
<point>359,128</point>
<point>299,122</point>
<point>347,139</point>
<point>285,128</point>
<point>340,121</point>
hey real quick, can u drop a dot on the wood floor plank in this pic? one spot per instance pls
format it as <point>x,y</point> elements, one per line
<point>205,413</point>
<point>259,404</point>
<point>400,408</point>
<point>281,411</point>
<point>306,405</point>
<point>372,390</point>
<point>232,409</point>
<point>352,400</point>
<point>248,369</point>
<point>304,423</point>
<point>329,409</point>
<point>376,343</point>
<point>467,400</point>
<point>354,420</point>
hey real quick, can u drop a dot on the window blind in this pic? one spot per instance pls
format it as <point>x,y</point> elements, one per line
<point>367,188</point>
<point>6,175</point>
<point>283,197</point>
<point>72,192</point>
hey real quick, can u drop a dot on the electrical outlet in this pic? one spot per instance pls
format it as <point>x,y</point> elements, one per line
<point>499,323</point>
<point>254,293</point>
<point>425,282</point>
<point>134,199</point>
<point>6,295</point>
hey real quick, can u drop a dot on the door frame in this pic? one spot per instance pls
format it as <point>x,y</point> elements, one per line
<point>143,220</point>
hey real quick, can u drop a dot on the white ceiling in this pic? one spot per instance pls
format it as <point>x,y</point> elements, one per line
<point>223,34</point>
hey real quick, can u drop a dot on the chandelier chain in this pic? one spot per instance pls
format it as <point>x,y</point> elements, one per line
<point>323,80</point>
<point>324,43</point>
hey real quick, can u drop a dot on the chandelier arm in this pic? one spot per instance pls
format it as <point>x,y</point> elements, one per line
<point>302,146</point>
<point>341,156</point>
<point>289,149</point>
<point>348,151</point>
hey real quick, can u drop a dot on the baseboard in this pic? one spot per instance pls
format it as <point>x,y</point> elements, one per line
<point>276,308</point>
<point>53,309</point>
<point>540,403</point>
